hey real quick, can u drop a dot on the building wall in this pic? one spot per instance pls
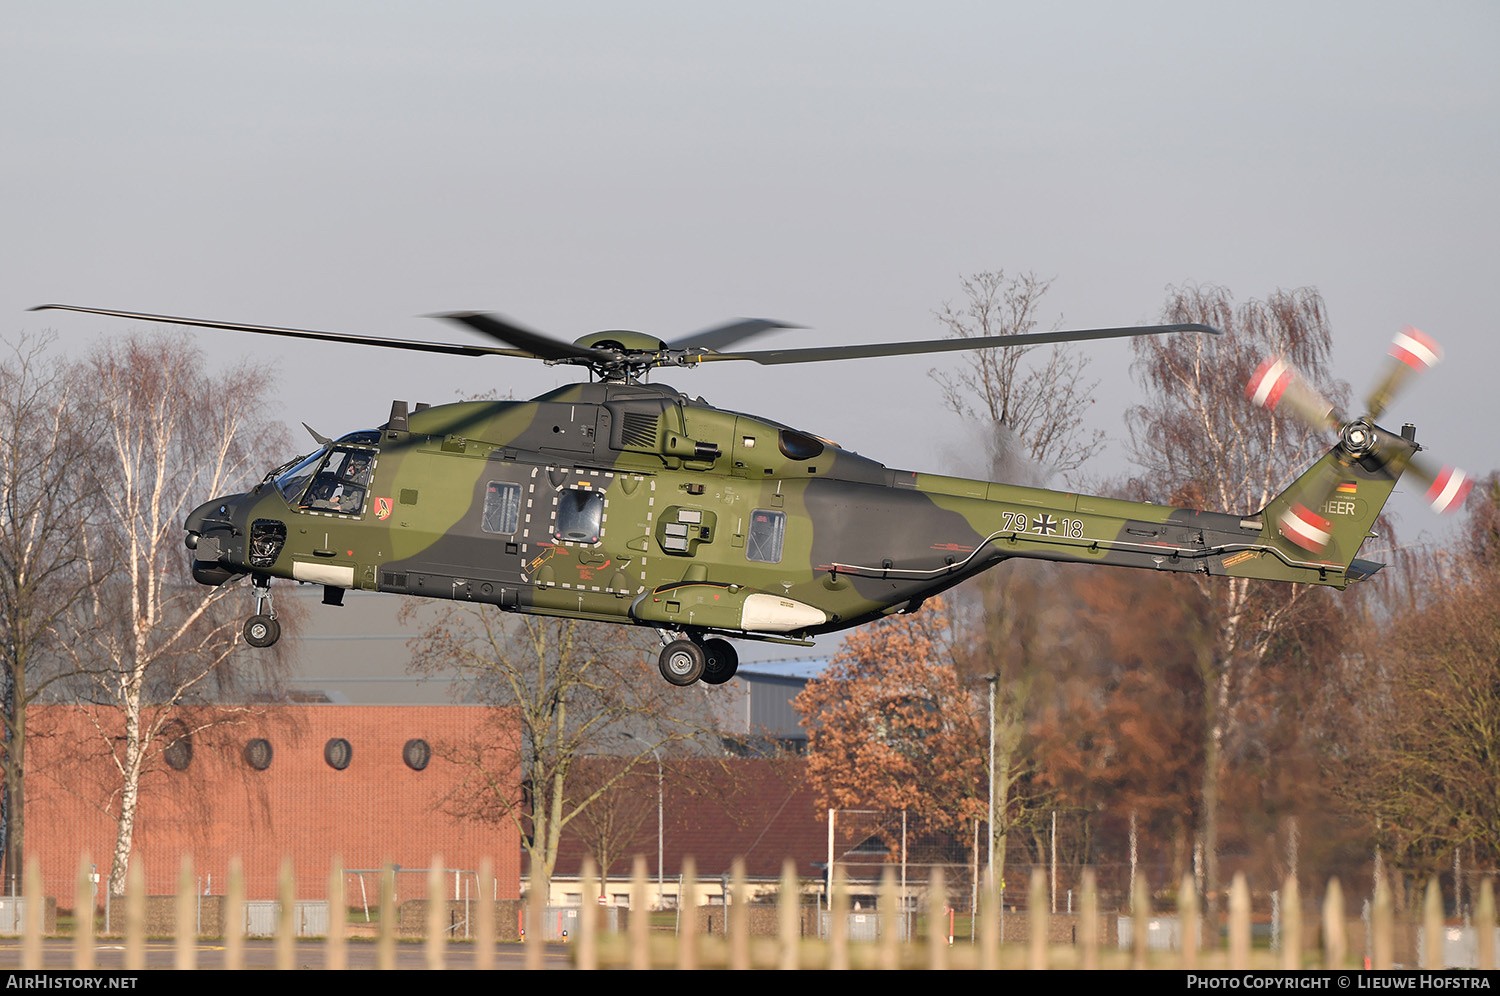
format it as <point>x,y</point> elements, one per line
<point>375,811</point>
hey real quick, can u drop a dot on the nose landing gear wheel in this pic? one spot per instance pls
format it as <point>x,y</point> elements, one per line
<point>722,661</point>
<point>262,631</point>
<point>682,662</point>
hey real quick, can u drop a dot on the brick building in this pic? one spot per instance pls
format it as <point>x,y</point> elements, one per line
<point>370,784</point>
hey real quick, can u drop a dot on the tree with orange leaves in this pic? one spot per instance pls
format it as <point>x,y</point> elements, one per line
<point>891,727</point>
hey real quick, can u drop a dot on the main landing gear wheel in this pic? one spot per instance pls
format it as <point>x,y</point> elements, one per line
<point>682,662</point>
<point>262,630</point>
<point>722,661</point>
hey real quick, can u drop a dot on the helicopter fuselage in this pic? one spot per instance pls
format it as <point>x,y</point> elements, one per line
<point>627,502</point>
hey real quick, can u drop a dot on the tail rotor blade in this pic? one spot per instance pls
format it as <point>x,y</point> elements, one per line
<point>1447,489</point>
<point>1302,521</point>
<point>1276,383</point>
<point>1412,351</point>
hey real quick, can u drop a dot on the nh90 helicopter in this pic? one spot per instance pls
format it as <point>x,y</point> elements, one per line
<point>623,501</point>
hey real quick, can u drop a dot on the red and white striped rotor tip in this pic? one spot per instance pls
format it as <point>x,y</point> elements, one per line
<point>1449,490</point>
<point>1416,348</point>
<point>1269,382</point>
<point>1306,528</point>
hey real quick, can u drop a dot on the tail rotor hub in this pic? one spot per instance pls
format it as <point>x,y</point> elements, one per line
<point>1358,438</point>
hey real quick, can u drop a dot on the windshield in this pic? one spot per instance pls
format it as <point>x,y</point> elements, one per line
<point>334,479</point>
<point>291,483</point>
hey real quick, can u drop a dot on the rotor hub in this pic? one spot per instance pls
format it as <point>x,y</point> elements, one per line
<point>1358,438</point>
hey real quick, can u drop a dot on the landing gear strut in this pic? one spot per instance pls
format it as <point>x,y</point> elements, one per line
<point>262,629</point>
<point>684,661</point>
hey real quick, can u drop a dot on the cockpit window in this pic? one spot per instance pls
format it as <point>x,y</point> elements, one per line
<point>364,437</point>
<point>291,483</point>
<point>332,480</point>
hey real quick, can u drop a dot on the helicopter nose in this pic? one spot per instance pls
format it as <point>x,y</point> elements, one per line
<point>210,536</point>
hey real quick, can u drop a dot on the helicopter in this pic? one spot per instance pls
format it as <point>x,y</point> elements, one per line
<point>621,500</point>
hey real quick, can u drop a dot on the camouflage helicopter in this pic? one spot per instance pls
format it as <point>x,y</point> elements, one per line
<point>624,501</point>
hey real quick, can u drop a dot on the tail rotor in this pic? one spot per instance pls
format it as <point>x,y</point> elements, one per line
<point>1362,444</point>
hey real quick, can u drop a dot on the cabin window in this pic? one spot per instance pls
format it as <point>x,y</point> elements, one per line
<point>767,530</point>
<point>580,516</point>
<point>502,508</point>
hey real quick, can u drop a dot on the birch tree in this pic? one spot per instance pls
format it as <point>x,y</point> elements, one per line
<point>1201,443</point>
<point>46,512</point>
<point>152,638</point>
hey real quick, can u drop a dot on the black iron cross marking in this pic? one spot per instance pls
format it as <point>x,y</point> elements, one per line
<point>1044,524</point>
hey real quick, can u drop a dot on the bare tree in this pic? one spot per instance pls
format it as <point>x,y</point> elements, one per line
<point>1038,408</point>
<point>1032,418</point>
<point>615,823</point>
<point>46,510</point>
<point>150,638</point>
<point>1203,444</point>
<point>1419,755</point>
<point>567,691</point>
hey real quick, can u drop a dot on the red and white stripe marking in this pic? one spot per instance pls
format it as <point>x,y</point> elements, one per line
<point>1415,348</point>
<point>1269,381</point>
<point>1449,489</point>
<point>1306,528</point>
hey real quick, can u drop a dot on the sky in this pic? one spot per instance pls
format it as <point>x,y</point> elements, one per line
<point>664,166</point>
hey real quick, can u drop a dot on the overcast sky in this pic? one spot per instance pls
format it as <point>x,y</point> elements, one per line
<point>664,166</point>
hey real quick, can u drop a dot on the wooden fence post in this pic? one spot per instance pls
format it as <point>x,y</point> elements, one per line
<point>135,915</point>
<point>1484,923</point>
<point>435,943</point>
<point>385,937</point>
<point>234,916</point>
<point>484,915</point>
<point>640,915</point>
<point>1432,926</point>
<point>1187,914</point>
<point>1291,925</point>
<point>1036,920</point>
<point>1239,923</point>
<point>838,921</point>
<point>1383,924</point>
<point>889,952</point>
<point>1088,911</point>
<point>687,915</point>
<point>335,950</point>
<point>739,917</point>
<point>83,915</point>
<point>788,918</point>
<point>1335,938</point>
<point>36,902</point>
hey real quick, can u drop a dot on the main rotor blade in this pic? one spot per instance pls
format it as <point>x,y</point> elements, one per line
<point>534,343</point>
<point>820,353</point>
<point>731,332</point>
<point>1412,352</point>
<point>452,349</point>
